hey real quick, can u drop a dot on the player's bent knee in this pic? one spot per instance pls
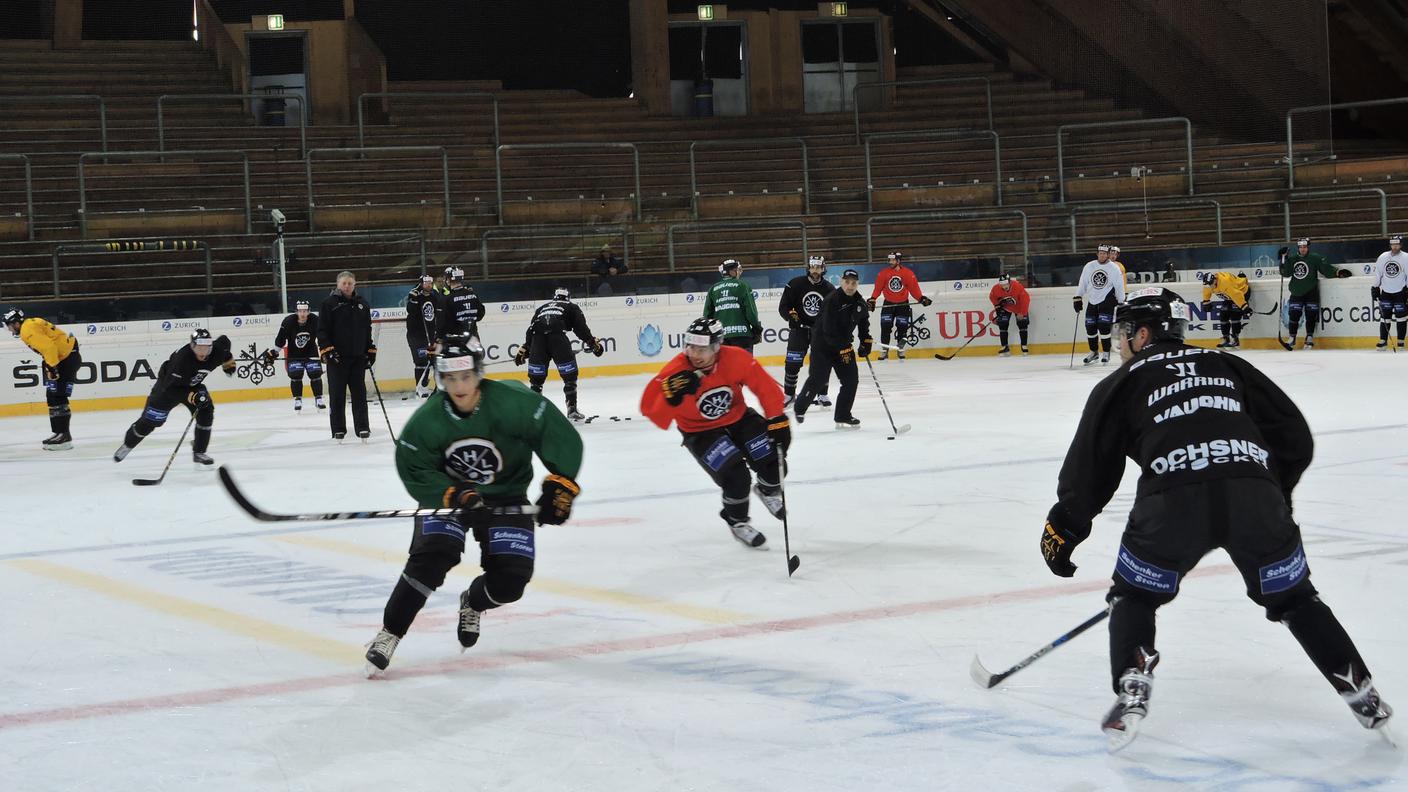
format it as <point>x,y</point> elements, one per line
<point>1282,607</point>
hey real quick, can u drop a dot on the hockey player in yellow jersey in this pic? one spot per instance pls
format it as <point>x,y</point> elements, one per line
<point>1226,300</point>
<point>61,359</point>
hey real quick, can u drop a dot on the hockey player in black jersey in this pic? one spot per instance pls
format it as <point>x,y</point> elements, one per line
<point>1220,448</point>
<point>422,317</point>
<point>181,381</point>
<point>460,308</point>
<point>843,313</point>
<point>298,336</point>
<point>800,305</point>
<point>547,338</point>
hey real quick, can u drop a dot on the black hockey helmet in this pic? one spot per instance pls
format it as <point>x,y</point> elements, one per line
<point>14,316</point>
<point>1303,242</point>
<point>729,265</point>
<point>455,274</point>
<point>817,262</point>
<point>1396,239</point>
<point>705,332</point>
<point>1004,279</point>
<point>460,352</point>
<point>302,305</point>
<point>1159,309</point>
<point>561,293</point>
<point>1208,278</point>
<point>201,337</point>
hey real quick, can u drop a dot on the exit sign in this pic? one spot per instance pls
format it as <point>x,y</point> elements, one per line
<point>276,21</point>
<point>706,13</point>
<point>838,9</point>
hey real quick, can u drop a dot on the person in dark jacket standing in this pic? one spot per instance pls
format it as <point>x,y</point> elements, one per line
<point>345,342</point>
<point>843,316</point>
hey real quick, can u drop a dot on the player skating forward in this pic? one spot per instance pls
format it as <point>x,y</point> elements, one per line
<point>800,305</point>
<point>298,336</point>
<point>1009,298</point>
<point>701,392</point>
<point>1304,269</point>
<point>547,339</point>
<point>471,446</point>
<point>1221,449</point>
<point>1391,290</point>
<point>59,351</point>
<point>1228,298</point>
<point>843,314</point>
<point>422,317</point>
<point>1101,288</point>
<point>730,301</point>
<point>899,286</point>
<point>181,380</point>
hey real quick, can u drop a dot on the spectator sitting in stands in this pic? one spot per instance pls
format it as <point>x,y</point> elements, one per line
<point>605,269</point>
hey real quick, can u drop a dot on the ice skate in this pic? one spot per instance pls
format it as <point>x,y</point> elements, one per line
<point>318,400</point>
<point>575,415</point>
<point>848,423</point>
<point>379,652</point>
<point>423,391</point>
<point>787,400</point>
<point>1226,343</point>
<point>1121,724</point>
<point>884,354</point>
<point>747,534</point>
<point>339,437</point>
<point>1364,701</point>
<point>900,354</point>
<point>121,453</point>
<point>771,500</point>
<point>1382,346</point>
<point>1309,342</point>
<point>202,459</point>
<point>297,405</point>
<point>364,435</point>
<point>59,441</point>
<point>1236,342</point>
<point>1004,352</point>
<point>468,628</point>
<point>1025,351</point>
<point>822,400</point>
<point>1104,358</point>
<point>1091,358</point>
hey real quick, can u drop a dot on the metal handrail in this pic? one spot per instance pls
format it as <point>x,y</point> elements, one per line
<point>444,171</point>
<point>1383,204</point>
<point>855,93</point>
<point>806,176</point>
<point>1061,131</point>
<point>996,155</point>
<point>136,246</point>
<point>361,134</point>
<point>83,197</point>
<point>1290,149</point>
<point>945,215</point>
<point>553,231</point>
<point>41,99</point>
<point>28,189</point>
<point>499,167</point>
<point>1115,206</point>
<point>302,114</point>
<point>726,225</point>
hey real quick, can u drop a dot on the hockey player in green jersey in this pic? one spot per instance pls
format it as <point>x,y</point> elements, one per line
<point>1304,269</point>
<point>731,302</point>
<point>471,446</point>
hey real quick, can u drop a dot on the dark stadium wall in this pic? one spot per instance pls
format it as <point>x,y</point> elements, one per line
<point>23,20</point>
<point>148,20</point>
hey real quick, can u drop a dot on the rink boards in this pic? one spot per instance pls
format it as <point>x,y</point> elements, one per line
<point>120,359</point>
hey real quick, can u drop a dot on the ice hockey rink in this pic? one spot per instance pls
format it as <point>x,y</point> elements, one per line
<point>158,638</point>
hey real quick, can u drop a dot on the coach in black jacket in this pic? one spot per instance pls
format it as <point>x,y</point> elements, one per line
<point>345,343</point>
<point>843,315</point>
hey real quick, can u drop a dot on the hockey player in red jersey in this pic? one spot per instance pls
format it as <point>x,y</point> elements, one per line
<point>900,288</point>
<point>1009,298</point>
<point>701,392</point>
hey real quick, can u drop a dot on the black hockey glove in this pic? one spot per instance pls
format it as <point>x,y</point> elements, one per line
<point>521,356</point>
<point>269,356</point>
<point>1077,304</point>
<point>555,504</point>
<point>1344,273</point>
<point>780,430</point>
<point>51,374</point>
<point>793,317</point>
<point>1247,311</point>
<point>463,497</point>
<point>329,354</point>
<point>1374,291</point>
<point>1207,306</point>
<point>371,356</point>
<point>925,301</point>
<point>198,397</point>
<point>1058,542</point>
<point>598,348</point>
<point>757,335</point>
<point>678,385</point>
<point>1007,301</point>
<point>866,344</point>
<point>870,305</point>
<point>847,355</point>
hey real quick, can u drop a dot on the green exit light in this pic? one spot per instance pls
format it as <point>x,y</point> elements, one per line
<point>706,13</point>
<point>839,9</point>
<point>276,21</point>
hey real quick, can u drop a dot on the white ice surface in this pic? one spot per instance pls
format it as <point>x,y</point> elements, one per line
<point>652,651</point>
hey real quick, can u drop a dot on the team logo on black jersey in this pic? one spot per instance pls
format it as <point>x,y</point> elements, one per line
<point>715,404</point>
<point>427,311</point>
<point>474,459</point>
<point>1301,270</point>
<point>1099,280</point>
<point>1391,269</point>
<point>811,304</point>
<point>301,339</point>
<point>895,283</point>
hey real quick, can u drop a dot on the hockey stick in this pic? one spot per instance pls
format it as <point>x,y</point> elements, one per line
<point>987,679</point>
<point>981,330</point>
<point>793,562</point>
<point>419,380</point>
<point>1075,333</point>
<point>1281,337</point>
<point>170,459</point>
<point>383,405</point>
<point>386,514</point>
<point>896,430</point>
